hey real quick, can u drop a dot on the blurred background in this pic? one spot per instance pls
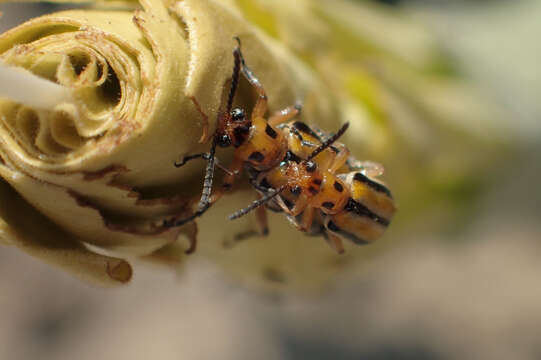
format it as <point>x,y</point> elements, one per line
<point>466,289</point>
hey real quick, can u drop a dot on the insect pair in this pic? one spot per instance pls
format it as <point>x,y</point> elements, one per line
<point>296,169</point>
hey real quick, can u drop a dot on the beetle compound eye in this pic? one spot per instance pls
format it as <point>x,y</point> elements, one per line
<point>311,166</point>
<point>224,141</point>
<point>237,114</point>
<point>296,190</point>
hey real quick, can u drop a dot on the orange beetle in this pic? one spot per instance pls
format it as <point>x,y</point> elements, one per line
<point>296,171</point>
<point>322,201</point>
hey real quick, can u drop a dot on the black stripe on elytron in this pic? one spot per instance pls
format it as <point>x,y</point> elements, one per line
<point>361,210</point>
<point>297,133</point>
<point>299,125</point>
<point>331,226</point>
<point>338,187</point>
<point>372,184</point>
<point>270,131</point>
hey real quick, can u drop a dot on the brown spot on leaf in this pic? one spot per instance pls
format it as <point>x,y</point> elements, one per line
<point>96,175</point>
<point>119,270</point>
<point>274,275</point>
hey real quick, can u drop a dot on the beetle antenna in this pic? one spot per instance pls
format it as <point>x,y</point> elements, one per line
<point>235,77</point>
<point>329,141</point>
<point>204,201</point>
<point>257,203</point>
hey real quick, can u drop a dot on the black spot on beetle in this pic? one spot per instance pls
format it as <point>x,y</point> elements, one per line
<point>338,187</point>
<point>256,156</point>
<point>328,204</point>
<point>317,181</point>
<point>270,131</point>
<point>312,190</point>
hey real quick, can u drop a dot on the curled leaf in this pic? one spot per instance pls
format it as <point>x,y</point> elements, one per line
<point>100,166</point>
<point>147,80</point>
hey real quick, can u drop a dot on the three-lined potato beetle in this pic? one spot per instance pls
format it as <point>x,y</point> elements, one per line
<point>297,170</point>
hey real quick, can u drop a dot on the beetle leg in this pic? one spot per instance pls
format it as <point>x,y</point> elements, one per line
<point>284,115</point>
<point>260,107</point>
<point>307,218</point>
<point>261,219</point>
<point>205,122</point>
<point>234,169</point>
<point>340,159</point>
<point>335,242</point>
<point>300,205</point>
<point>368,168</point>
<point>191,233</point>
